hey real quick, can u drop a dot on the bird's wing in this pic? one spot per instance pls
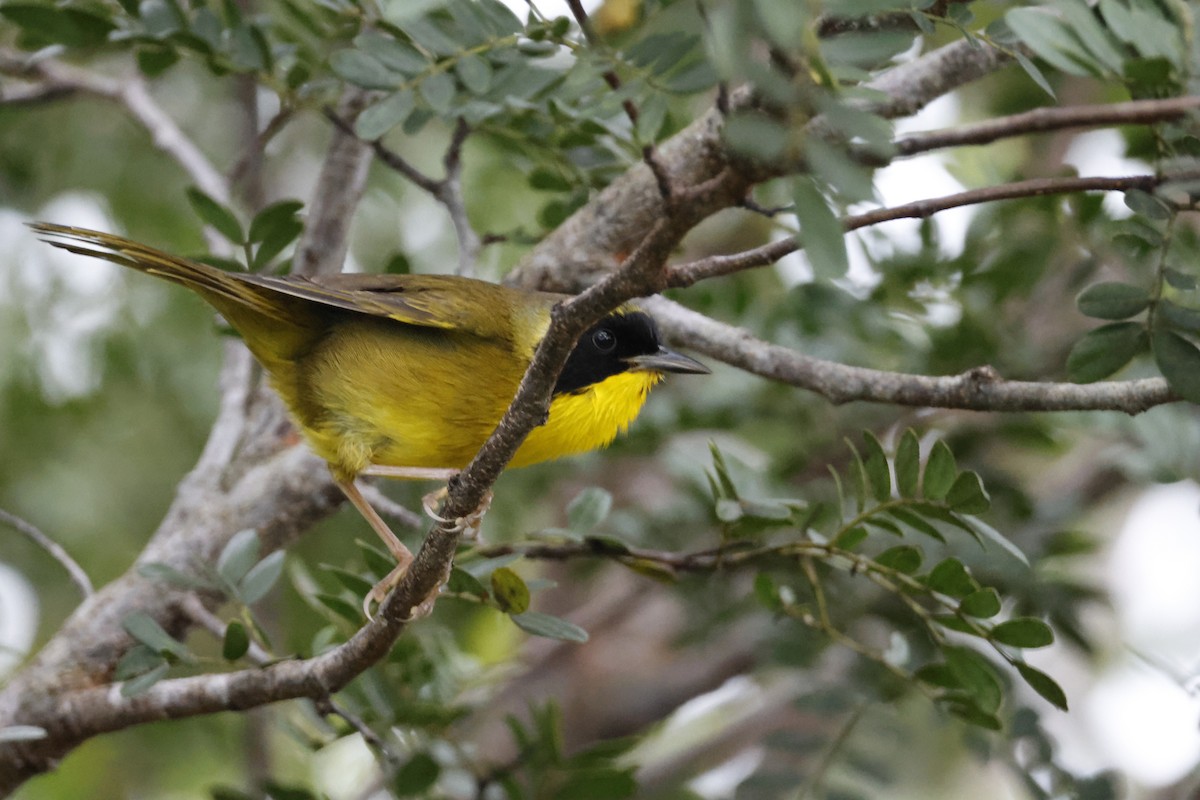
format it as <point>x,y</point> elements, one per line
<point>433,301</point>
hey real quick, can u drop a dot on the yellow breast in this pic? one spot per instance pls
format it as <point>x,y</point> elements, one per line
<point>588,419</point>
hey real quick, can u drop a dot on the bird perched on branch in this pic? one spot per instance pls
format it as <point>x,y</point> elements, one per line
<point>406,376</point>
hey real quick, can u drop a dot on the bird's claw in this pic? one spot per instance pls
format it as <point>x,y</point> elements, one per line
<point>468,526</point>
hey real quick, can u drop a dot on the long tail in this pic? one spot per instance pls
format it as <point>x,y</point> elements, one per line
<point>226,291</point>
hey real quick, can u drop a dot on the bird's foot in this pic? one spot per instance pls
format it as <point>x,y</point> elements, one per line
<point>468,526</point>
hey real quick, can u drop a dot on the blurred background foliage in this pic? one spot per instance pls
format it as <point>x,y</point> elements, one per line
<point>696,685</point>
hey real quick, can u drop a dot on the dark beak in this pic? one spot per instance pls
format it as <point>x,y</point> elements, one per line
<point>666,361</point>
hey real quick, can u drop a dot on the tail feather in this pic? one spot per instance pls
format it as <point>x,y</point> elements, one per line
<point>226,291</point>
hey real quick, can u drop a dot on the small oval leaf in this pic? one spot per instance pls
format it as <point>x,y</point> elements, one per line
<point>1044,685</point>
<point>967,495</point>
<point>1113,300</point>
<point>510,591</point>
<point>538,624</point>
<point>1179,361</point>
<point>903,558</point>
<point>1023,632</point>
<point>940,472</point>
<point>237,641</point>
<point>983,603</point>
<point>1104,350</point>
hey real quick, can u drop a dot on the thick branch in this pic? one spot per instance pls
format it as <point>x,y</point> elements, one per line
<point>594,240</point>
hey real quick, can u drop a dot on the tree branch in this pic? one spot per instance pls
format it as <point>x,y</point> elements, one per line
<point>594,239</point>
<point>978,389</point>
<point>688,274</point>
<point>52,78</point>
<point>1040,120</point>
<point>56,551</point>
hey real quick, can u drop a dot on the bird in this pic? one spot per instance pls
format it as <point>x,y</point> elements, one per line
<point>406,376</point>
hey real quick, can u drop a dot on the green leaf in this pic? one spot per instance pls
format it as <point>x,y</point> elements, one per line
<point>392,53</point>
<point>356,584</point>
<point>1183,281</point>
<point>821,231</point>
<point>429,35</point>
<point>984,603</point>
<point>272,218</point>
<point>474,72</point>
<point>261,578</point>
<point>902,558</point>
<point>364,70</point>
<point>588,509</point>
<point>549,627</point>
<point>967,495</point>
<point>876,465</point>
<point>510,591</point>
<point>279,238</point>
<point>378,119</point>
<point>218,216</point>
<point>1034,73</point>
<point>1147,205</point>
<point>1178,317</point>
<point>238,556</point>
<point>940,472</point>
<point>1098,41</point>
<point>1043,684</point>
<point>1052,41</point>
<point>1113,300</point>
<point>237,641</point>
<point>137,660</point>
<point>725,487</point>
<point>157,571</point>
<point>1104,350</point>
<point>1179,361</point>
<point>377,561</point>
<point>1023,632</point>
<point>984,531</point>
<point>971,713</point>
<point>976,676</point>
<point>141,683</point>
<point>915,522</point>
<point>145,629</point>
<point>767,593</point>
<point>950,577</point>
<point>463,582</point>
<point>417,775</point>
<point>699,76</point>
<point>956,623</point>
<point>849,539</point>
<point>438,90</point>
<point>908,464</point>
<point>603,783</point>
<point>346,610</point>
<point>757,136</point>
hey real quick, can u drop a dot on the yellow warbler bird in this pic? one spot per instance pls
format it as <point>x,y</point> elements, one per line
<point>407,375</point>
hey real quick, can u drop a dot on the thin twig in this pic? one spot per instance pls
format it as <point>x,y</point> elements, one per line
<point>1040,120</point>
<point>78,576</point>
<point>54,77</point>
<point>714,266</point>
<point>450,194</point>
<point>388,156</point>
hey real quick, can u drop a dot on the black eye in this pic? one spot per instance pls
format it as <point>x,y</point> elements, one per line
<point>604,340</point>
